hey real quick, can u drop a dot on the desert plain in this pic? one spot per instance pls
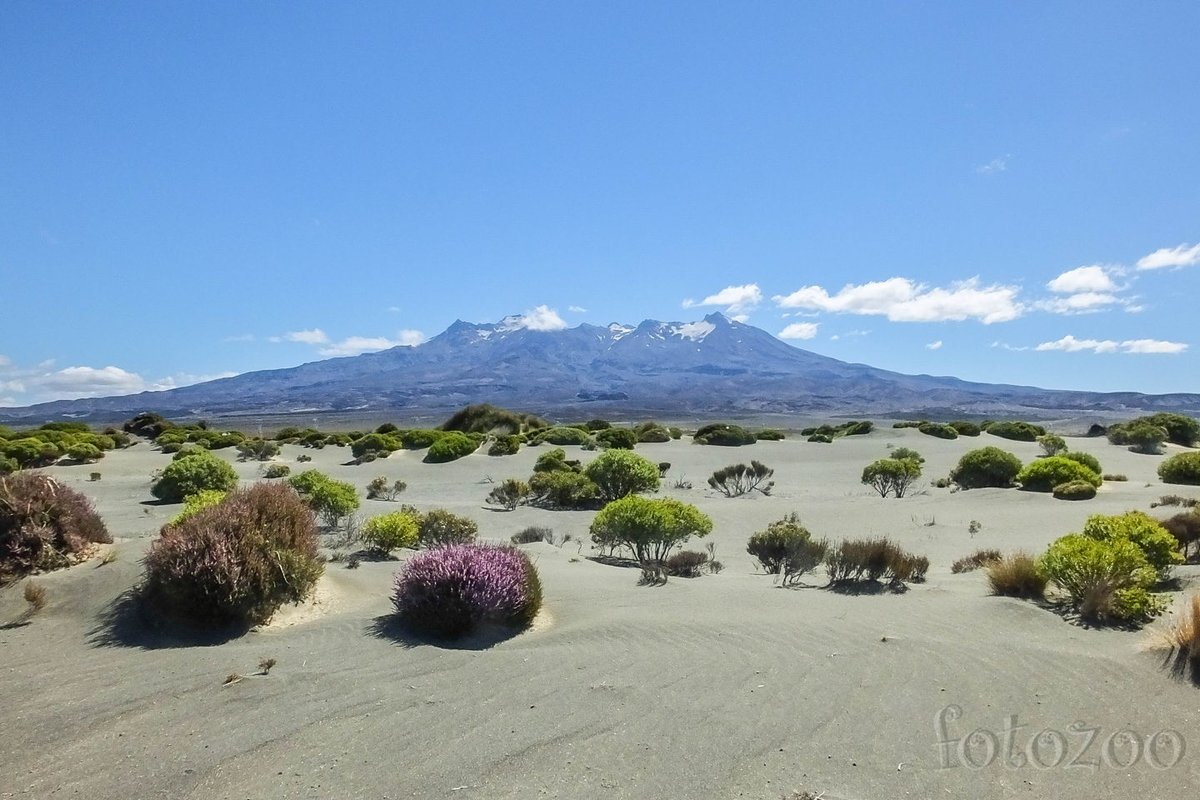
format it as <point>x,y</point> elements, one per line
<point>711,688</point>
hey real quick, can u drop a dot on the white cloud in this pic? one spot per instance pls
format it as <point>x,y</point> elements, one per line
<point>903,300</point>
<point>357,345</point>
<point>934,345</point>
<point>542,318</point>
<point>735,299</point>
<point>5,361</point>
<point>311,336</point>
<point>743,318</point>
<point>1094,278</point>
<point>577,309</point>
<point>1181,256</point>
<point>1069,344</point>
<point>41,384</point>
<point>393,309</point>
<point>799,330</point>
<point>1082,303</point>
<point>998,164</point>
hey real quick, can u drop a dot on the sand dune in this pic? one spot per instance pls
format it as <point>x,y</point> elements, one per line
<point>723,686</point>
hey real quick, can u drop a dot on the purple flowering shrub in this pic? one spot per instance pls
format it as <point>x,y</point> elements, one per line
<point>449,590</point>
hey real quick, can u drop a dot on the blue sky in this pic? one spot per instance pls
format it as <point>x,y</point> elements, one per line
<point>1004,192</point>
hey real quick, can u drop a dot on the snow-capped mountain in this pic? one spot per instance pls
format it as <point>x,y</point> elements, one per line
<point>709,366</point>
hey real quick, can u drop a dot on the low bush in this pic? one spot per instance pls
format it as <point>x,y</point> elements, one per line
<point>980,558</point>
<point>739,479</point>
<point>1052,445</point>
<point>195,503</point>
<point>440,527</point>
<point>783,542</point>
<point>1146,533</point>
<point>724,435</point>
<point>84,453</point>
<point>685,563</point>
<point>509,494</point>
<point>391,531</point>
<point>277,471</point>
<point>649,529</point>
<point>1107,581</point>
<point>872,560</point>
<point>619,472</point>
<point>257,450</point>
<point>236,562</point>
<point>1087,459</point>
<point>965,428</point>
<point>1175,500</point>
<point>1176,428</point>
<point>193,473</point>
<point>380,488</point>
<point>556,460</point>
<point>652,432</point>
<point>986,466</point>
<point>1074,490</point>
<point>907,454</point>
<point>1141,435</point>
<point>451,447</point>
<point>44,524</point>
<point>562,435</point>
<point>769,435</point>
<point>330,499</point>
<point>505,446</point>
<point>1017,431</point>
<point>418,438</point>
<point>1044,474</point>
<point>617,438</point>
<point>911,423</point>
<point>938,429</point>
<point>820,438</point>
<point>1016,575</point>
<point>485,418</point>
<point>451,590</point>
<point>1115,477</point>
<point>1181,468</point>
<point>532,534</point>
<point>891,475</point>
<point>562,489</point>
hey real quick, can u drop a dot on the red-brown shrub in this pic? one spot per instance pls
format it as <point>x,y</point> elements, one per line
<point>43,524</point>
<point>237,562</point>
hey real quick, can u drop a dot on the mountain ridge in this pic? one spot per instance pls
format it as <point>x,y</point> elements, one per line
<point>710,366</point>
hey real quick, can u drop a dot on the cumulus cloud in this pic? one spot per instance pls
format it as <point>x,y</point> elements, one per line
<point>996,165</point>
<point>904,300</point>
<point>1069,344</point>
<point>1181,256</point>
<point>1082,303</point>
<point>1094,278</point>
<point>934,345</point>
<point>577,309</point>
<point>542,318</point>
<point>799,330</point>
<point>356,345</point>
<point>735,299</point>
<point>310,336</point>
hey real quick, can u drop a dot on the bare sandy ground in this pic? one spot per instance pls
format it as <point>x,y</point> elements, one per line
<point>717,687</point>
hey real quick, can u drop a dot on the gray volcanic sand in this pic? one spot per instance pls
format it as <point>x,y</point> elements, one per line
<point>723,686</point>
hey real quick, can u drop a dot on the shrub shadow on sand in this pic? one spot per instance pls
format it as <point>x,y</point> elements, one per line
<point>126,622</point>
<point>1182,666</point>
<point>392,628</point>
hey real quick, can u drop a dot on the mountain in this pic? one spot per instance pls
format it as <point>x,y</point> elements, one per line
<point>709,367</point>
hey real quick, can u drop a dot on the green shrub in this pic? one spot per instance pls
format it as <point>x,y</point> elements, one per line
<point>43,524</point>
<point>965,428</point>
<point>440,527</point>
<point>1146,533</point>
<point>618,473</point>
<point>391,531</point>
<point>331,500</point>
<point>1017,431</point>
<point>652,432</point>
<point>555,460</point>
<point>986,466</point>
<point>1046,473</point>
<point>563,488</point>
<point>197,502</point>
<point>1106,580</point>
<point>380,445</point>
<point>194,473</point>
<point>768,435</point>
<point>505,446</point>
<point>871,560</point>
<point>484,418</point>
<point>147,425</point>
<point>277,471</point>
<point>509,494</point>
<point>909,423</point>
<point>938,429</point>
<point>617,438</point>
<point>1176,428</point>
<point>257,450</point>
<point>1087,459</point>
<point>236,562</point>
<point>1016,575</point>
<point>1181,468</point>
<point>8,465</point>
<point>1053,445</point>
<point>562,435</point>
<point>724,435</point>
<point>84,453</point>
<point>450,447</point>
<point>597,424</point>
<point>891,475</point>
<point>418,438</point>
<point>786,548</point>
<point>820,438</point>
<point>1074,490</point>
<point>649,529</point>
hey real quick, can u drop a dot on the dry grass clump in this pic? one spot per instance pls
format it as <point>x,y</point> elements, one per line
<point>1175,500</point>
<point>1185,528</point>
<point>1181,639</point>
<point>1112,476</point>
<point>872,561</point>
<point>980,558</point>
<point>43,524</point>
<point>1017,575</point>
